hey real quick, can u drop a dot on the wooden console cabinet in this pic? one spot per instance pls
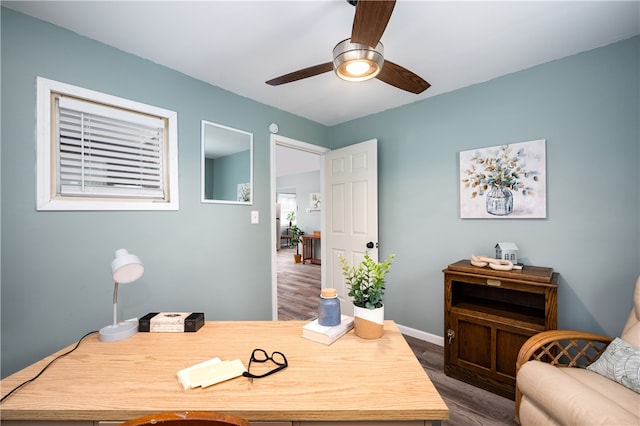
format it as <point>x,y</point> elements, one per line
<point>489,314</point>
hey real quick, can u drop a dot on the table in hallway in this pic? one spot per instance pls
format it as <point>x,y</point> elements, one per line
<point>308,248</point>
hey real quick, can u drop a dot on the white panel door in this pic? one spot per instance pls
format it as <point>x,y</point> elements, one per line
<point>351,211</point>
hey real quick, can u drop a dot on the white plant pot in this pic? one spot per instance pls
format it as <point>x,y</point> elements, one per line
<point>368,323</point>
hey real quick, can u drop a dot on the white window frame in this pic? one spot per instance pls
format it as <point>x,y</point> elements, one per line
<point>284,223</point>
<point>47,162</point>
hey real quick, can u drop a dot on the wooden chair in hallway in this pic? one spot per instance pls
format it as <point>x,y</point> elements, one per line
<point>188,418</point>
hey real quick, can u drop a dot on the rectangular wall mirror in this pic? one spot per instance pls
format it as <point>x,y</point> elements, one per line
<point>227,165</point>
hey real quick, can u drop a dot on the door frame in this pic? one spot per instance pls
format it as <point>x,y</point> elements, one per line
<point>302,146</point>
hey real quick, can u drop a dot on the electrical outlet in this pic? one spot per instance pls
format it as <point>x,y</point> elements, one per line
<point>255,217</point>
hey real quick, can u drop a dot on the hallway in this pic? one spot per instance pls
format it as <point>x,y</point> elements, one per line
<point>298,287</point>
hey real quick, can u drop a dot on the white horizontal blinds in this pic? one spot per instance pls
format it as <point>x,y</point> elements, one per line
<point>109,152</point>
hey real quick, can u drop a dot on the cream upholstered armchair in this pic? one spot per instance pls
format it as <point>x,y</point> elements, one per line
<point>600,384</point>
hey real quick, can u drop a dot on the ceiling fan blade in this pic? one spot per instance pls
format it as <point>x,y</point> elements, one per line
<point>370,21</point>
<point>300,74</point>
<point>402,78</point>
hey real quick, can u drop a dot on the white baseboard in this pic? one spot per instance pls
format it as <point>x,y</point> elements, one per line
<point>422,335</point>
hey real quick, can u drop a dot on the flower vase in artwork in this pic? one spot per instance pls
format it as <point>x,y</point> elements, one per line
<point>499,201</point>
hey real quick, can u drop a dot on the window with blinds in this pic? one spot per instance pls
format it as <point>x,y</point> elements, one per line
<point>105,153</point>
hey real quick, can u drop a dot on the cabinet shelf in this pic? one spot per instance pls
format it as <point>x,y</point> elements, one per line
<point>499,311</point>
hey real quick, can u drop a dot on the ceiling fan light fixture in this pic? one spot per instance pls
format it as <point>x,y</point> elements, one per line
<point>357,62</point>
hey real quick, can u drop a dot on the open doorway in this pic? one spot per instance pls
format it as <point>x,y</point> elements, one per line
<point>296,186</point>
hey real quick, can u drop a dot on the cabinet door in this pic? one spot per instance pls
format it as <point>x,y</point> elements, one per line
<point>509,340</point>
<point>471,347</point>
<point>487,347</point>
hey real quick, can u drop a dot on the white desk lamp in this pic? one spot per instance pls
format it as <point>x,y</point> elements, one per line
<point>125,268</point>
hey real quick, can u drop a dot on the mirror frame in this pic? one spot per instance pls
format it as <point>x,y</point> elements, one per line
<point>203,198</point>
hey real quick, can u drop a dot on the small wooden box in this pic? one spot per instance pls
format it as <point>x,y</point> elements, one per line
<point>171,322</point>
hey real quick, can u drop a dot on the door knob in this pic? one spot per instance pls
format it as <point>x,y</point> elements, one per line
<point>370,245</point>
<point>451,335</point>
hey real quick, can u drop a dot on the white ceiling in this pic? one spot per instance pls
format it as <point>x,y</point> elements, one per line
<point>290,161</point>
<point>220,141</point>
<point>238,45</point>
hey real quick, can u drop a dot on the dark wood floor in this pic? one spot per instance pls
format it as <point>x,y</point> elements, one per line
<point>468,405</point>
<point>298,288</point>
<point>298,295</point>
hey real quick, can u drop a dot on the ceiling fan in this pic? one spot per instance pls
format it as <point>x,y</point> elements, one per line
<point>361,57</point>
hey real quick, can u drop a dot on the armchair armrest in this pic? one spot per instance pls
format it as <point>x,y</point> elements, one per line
<point>562,348</point>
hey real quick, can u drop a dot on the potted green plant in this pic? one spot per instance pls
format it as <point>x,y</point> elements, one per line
<point>296,239</point>
<point>291,216</point>
<point>366,284</point>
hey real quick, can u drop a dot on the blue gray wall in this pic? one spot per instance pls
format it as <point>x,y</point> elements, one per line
<point>55,265</point>
<point>587,108</point>
<point>56,282</point>
<point>228,172</point>
<point>304,184</point>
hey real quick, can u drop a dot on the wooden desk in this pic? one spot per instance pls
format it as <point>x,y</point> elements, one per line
<point>308,242</point>
<point>351,380</point>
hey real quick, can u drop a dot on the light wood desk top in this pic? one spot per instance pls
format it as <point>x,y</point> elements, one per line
<point>352,379</point>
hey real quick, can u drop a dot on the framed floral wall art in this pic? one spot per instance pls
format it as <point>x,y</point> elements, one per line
<point>244,191</point>
<point>505,181</point>
<point>314,201</point>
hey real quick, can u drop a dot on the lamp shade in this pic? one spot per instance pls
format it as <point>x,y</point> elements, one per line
<point>126,267</point>
<point>357,62</point>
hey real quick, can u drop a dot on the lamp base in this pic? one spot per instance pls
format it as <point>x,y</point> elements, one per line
<point>113,333</point>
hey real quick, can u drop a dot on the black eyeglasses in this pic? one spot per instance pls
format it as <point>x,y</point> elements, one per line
<point>260,355</point>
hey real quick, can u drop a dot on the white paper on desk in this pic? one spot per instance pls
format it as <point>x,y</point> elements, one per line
<point>223,371</point>
<point>210,372</point>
